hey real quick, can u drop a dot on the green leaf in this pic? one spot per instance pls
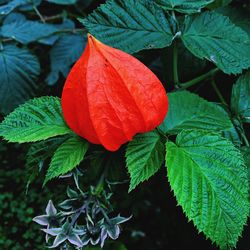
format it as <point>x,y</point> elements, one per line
<point>38,153</point>
<point>36,120</point>
<point>26,31</point>
<point>144,157</point>
<point>240,99</point>
<point>239,16</point>
<point>184,6</point>
<point>63,54</point>
<point>214,37</point>
<point>67,157</point>
<point>63,2</point>
<point>131,25</point>
<point>189,111</point>
<point>209,179</point>
<point>19,72</point>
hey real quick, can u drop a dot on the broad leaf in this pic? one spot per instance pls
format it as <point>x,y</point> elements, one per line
<point>19,72</point>
<point>209,179</point>
<point>240,100</point>
<point>67,157</point>
<point>63,54</point>
<point>131,25</point>
<point>184,6</point>
<point>239,16</point>
<point>189,111</point>
<point>144,157</point>
<point>36,120</point>
<point>214,37</point>
<point>26,31</point>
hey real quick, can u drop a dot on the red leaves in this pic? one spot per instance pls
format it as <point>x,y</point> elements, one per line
<point>109,96</point>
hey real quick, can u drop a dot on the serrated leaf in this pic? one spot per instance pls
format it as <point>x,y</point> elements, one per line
<point>19,72</point>
<point>239,16</point>
<point>26,31</point>
<point>184,6</point>
<point>214,37</point>
<point>36,120</point>
<point>67,157</point>
<point>131,25</point>
<point>209,179</point>
<point>189,111</point>
<point>240,99</point>
<point>144,157</point>
<point>63,54</point>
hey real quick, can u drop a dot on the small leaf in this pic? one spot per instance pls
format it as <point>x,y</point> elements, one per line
<point>184,6</point>
<point>214,37</point>
<point>144,157</point>
<point>130,25</point>
<point>209,179</point>
<point>240,99</point>
<point>197,114</point>
<point>63,54</point>
<point>36,120</point>
<point>19,72</point>
<point>67,157</point>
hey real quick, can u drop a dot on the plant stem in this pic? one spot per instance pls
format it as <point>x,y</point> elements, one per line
<point>245,139</point>
<point>39,14</point>
<point>175,64</point>
<point>198,79</point>
<point>218,92</point>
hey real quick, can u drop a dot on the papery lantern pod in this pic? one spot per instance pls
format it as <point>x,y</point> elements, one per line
<point>109,96</point>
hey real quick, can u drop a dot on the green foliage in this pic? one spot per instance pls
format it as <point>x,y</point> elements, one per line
<point>219,3</point>
<point>63,55</point>
<point>17,29</point>
<point>131,25</point>
<point>36,120</point>
<point>19,72</point>
<point>38,153</point>
<point>209,179</point>
<point>214,37</point>
<point>240,100</point>
<point>67,156</point>
<point>189,111</point>
<point>144,157</point>
<point>184,6</point>
<point>6,9</point>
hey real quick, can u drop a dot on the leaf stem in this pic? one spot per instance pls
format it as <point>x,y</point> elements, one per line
<point>198,79</point>
<point>218,92</point>
<point>245,139</point>
<point>175,65</point>
<point>39,14</point>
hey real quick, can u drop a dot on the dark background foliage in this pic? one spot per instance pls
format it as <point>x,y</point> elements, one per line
<point>157,222</point>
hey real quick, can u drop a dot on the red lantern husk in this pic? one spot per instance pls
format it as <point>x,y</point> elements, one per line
<point>109,96</point>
